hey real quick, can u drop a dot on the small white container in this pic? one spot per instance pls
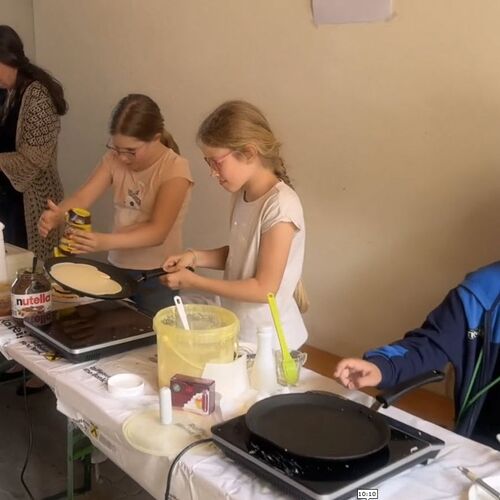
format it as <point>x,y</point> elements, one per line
<point>126,385</point>
<point>165,406</point>
<point>263,374</point>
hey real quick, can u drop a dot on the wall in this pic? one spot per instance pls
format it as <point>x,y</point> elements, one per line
<point>390,131</point>
<point>19,15</point>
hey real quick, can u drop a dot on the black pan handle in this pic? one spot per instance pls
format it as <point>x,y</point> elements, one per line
<point>388,397</point>
<point>154,273</point>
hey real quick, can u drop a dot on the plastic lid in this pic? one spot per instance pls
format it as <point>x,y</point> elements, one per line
<point>145,432</point>
<point>126,384</point>
<point>83,212</point>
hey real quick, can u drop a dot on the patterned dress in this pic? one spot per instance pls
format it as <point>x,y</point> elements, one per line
<point>32,168</point>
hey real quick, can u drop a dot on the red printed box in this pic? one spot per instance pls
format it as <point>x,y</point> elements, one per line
<point>193,394</point>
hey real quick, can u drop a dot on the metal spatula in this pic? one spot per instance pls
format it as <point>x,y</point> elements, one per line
<point>290,370</point>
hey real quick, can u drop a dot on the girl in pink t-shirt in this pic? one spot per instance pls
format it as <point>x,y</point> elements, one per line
<point>151,189</point>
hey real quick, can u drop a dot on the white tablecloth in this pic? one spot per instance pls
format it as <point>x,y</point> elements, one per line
<point>204,472</point>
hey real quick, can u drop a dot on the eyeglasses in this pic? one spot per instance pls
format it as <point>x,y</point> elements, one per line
<point>128,153</point>
<point>216,163</point>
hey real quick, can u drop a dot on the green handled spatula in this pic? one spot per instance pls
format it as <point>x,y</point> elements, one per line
<point>290,371</point>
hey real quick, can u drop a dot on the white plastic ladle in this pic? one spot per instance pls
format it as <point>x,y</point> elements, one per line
<point>181,312</point>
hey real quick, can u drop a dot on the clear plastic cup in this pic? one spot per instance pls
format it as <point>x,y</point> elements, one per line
<point>299,357</point>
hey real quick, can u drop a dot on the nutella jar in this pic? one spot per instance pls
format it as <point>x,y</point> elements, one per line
<point>31,296</point>
<point>76,218</point>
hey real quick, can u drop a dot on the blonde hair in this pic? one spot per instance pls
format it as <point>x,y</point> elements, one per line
<point>301,298</point>
<point>137,115</point>
<point>238,124</point>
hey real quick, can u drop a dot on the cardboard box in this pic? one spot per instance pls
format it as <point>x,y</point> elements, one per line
<point>193,394</point>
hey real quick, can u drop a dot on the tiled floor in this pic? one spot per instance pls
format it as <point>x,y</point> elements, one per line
<point>46,471</point>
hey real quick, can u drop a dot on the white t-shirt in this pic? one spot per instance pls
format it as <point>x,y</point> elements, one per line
<point>249,220</point>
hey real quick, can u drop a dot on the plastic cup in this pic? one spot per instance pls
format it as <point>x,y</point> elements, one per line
<point>299,358</point>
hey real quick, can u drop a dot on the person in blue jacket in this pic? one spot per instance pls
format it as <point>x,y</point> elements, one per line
<point>463,330</point>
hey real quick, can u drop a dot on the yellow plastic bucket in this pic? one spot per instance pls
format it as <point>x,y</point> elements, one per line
<point>212,338</point>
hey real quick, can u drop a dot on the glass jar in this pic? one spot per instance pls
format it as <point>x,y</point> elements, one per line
<point>31,296</point>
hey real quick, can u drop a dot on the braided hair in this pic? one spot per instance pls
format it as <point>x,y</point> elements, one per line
<point>235,125</point>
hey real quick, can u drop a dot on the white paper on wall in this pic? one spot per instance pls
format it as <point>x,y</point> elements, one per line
<point>351,11</point>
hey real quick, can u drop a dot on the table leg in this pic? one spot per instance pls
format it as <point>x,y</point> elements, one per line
<point>70,472</point>
<point>78,447</point>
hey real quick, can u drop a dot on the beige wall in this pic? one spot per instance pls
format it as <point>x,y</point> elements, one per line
<point>391,132</point>
<point>19,15</point>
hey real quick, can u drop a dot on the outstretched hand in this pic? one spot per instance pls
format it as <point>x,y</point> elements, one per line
<point>355,373</point>
<point>50,219</point>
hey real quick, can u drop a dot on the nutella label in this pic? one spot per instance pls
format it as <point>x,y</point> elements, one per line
<point>31,304</point>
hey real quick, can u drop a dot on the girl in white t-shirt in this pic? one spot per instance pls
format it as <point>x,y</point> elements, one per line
<point>267,235</point>
<point>151,188</point>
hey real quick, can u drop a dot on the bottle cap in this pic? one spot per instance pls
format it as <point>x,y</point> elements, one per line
<point>265,329</point>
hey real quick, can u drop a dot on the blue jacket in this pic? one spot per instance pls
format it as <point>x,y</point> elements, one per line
<point>466,322</point>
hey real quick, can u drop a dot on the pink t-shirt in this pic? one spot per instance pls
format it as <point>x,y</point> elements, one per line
<point>134,199</point>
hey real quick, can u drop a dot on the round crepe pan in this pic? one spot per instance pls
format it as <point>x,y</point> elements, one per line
<point>318,426</point>
<point>128,284</point>
<point>324,426</point>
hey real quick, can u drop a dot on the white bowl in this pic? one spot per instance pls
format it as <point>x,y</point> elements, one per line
<point>126,384</point>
